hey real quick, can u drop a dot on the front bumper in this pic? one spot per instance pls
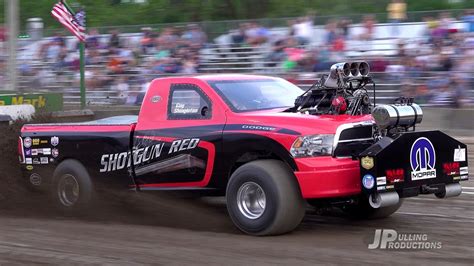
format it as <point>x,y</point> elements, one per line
<point>328,177</point>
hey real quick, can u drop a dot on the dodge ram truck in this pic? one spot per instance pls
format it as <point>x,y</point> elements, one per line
<point>265,144</point>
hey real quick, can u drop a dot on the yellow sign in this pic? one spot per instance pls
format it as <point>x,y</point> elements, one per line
<point>367,162</point>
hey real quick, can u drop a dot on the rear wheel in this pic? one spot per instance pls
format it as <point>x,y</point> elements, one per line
<point>263,198</point>
<point>72,187</point>
<point>363,210</point>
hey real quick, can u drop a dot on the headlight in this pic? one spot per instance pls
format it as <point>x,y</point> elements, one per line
<point>313,145</point>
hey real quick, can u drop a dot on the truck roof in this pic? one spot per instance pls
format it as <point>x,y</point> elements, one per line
<point>216,77</point>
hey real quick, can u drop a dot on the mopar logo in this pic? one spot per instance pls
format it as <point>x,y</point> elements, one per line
<point>422,159</point>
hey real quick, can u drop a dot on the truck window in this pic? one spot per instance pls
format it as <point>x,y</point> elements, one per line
<point>188,102</point>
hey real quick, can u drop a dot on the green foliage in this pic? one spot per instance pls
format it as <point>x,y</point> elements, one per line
<point>114,12</point>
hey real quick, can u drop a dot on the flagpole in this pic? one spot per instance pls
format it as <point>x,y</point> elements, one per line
<point>81,63</point>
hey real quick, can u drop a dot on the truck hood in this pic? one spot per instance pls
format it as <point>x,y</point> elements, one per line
<point>303,123</point>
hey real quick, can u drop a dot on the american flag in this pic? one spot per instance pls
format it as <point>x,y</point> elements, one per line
<point>75,24</point>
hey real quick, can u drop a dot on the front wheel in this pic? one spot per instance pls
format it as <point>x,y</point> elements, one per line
<point>263,198</point>
<point>72,187</point>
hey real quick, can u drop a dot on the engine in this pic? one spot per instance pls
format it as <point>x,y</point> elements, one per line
<point>343,91</point>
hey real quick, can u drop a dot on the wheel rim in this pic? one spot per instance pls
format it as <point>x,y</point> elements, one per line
<point>68,190</point>
<point>251,200</point>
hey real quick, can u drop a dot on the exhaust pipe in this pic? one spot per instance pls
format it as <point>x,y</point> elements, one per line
<point>451,190</point>
<point>364,69</point>
<point>379,200</point>
<point>355,69</point>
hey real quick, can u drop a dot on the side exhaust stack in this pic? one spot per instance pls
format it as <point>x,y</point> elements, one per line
<point>379,200</point>
<point>451,190</point>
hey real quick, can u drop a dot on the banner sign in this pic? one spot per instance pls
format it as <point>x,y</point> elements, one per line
<point>49,102</point>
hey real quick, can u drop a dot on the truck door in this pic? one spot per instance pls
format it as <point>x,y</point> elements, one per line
<point>179,150</point>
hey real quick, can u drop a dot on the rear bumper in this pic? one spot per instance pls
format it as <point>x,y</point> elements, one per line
<point>328,177</point>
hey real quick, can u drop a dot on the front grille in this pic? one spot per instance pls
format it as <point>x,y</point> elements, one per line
<point>353,139</point>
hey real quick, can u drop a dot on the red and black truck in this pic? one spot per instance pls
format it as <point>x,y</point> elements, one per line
<point>265,144</point>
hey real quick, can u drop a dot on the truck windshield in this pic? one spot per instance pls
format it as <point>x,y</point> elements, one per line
<point>252,95</point>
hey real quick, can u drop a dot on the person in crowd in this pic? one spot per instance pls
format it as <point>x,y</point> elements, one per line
<point>114,39</point>
<point>256,34</point>
<point>397,12</point>
<point>468,19</point>
<point>147,41</point>
<point>194,36</point>
<point>93,40</point>
<point>369,27</point>
<point>303,30</point>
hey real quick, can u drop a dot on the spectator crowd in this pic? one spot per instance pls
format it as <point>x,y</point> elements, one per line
<point>434,68</point>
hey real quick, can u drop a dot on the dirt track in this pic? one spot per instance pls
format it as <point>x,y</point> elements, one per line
<point>148,229</point>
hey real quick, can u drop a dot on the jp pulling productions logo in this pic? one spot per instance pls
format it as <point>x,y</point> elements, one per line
<point>391,239</point>
<point>422,159</point>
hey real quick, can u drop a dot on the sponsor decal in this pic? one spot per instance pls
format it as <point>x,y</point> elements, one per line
<point>381,180</point>
<point>118,161</point>
<point>390,187</point>
<point>36,142</point>
<point>51,160</point>
<point>367,162</point>
<point>29,167</point>
<point>368,181</point>
<point>254,127</point>
<point>456,178</point>
<point>27,142</point>
<point>181,108</point>
<point>422,159</point>
<point>55,141</point>
<point>27,152</point>
<point>28,160</point>
<point>464,177</point>
<point>43,141</point>
<point>380,188</point>
<point>44,151</point>
<point>391,239</point>
<point>395,175</point>
<point>55,152</point>
<point>459,155</point>
<point>36,161</point>
<point>451,168</point>
<point>44,160</point>
<point>463,170</point>
<point>35,179</point>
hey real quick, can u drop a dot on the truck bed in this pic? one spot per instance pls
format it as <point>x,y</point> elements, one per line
<point>115,123</point>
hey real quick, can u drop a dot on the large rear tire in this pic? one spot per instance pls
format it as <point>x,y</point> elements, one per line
<point>72,187</point>
<point>263,198</point>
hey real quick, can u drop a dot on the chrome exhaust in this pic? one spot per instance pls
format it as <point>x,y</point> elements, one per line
<point>379,200</point>
<point>451,190</point>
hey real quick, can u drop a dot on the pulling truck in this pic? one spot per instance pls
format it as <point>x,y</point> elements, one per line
<point>265,144</point>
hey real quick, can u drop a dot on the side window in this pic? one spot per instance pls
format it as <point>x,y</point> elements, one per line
<point>187,101</point>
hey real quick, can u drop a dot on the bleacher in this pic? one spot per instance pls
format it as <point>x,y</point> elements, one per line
<point>224,58</point>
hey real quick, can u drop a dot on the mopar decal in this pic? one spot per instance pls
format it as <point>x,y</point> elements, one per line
<point>422,159</point>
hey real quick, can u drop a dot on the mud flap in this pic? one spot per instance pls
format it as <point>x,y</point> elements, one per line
<point>425,162</point>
